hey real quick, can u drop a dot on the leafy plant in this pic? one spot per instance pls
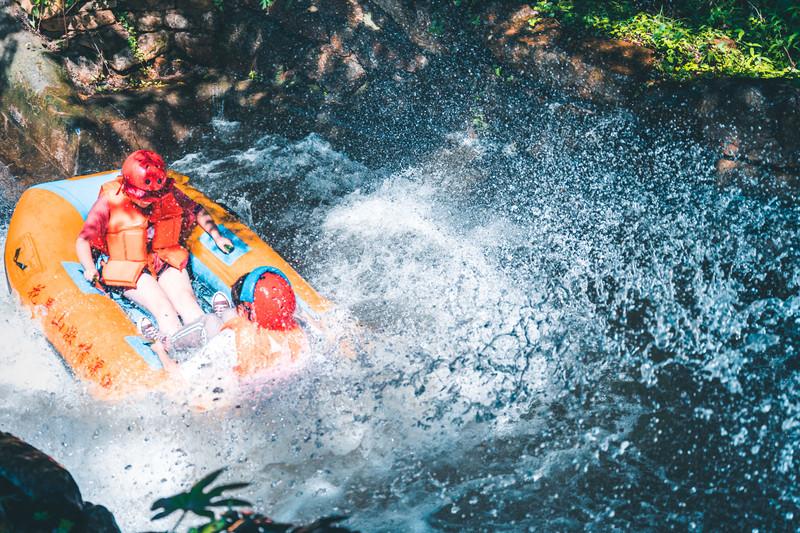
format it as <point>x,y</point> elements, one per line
<point>266,4</point>
<point>202,500</point>
<point>199,501</point>
<point>130,29</point>
<point>40,7</point>
<point>693,37</point>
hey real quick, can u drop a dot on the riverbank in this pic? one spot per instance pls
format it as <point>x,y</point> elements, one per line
<point>308,66</point>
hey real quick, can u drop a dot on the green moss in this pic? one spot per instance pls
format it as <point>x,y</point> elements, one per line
<point>693,38</point>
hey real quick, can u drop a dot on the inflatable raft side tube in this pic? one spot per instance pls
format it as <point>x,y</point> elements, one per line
<point>221,270</point>
<point>76,318</point>
<point>81,193</point>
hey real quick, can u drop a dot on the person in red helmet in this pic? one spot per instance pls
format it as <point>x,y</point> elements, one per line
<point>139,222</point>
<point>262,318</point>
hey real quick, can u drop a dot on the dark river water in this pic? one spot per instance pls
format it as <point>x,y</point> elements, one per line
<point>565,324</point>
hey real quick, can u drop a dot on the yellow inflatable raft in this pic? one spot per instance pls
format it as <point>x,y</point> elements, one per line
<point>95,333</point>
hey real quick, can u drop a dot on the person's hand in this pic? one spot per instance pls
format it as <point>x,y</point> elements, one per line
<point>91,275</point>
<point>224,244</point>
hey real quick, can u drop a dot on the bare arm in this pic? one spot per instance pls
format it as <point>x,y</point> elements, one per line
<point>84,251</point>
<point>205,221</point>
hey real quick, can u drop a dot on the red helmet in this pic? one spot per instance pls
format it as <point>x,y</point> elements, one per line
<point>273,302</point>
<point>144,175</point>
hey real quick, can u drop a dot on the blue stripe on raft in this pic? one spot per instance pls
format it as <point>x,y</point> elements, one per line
<point>75,272</point>
<point>207,276</point>
<point>143,349</point>
<point>80,193</point>
<point>239,246</point>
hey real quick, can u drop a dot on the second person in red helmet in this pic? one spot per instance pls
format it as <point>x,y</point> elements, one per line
<point>139,222</point>
<point>262,317</point>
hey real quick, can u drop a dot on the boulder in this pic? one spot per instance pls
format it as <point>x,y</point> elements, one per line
<point>198,48</point>
<point>208,21</point>
<point>37,113</point>
<point>38,494</point>
<point>203,5</point>
<point>82,21</point>
<point>600,70</point>
<point>97,5</point>
<point>36,477</point>
<point>123,60</point>
<point>83,70</point>
<point>151,45</point>
<point>148,21</point>
<point>147,5</point>
<point>176,20</point>
<point>752,125</point>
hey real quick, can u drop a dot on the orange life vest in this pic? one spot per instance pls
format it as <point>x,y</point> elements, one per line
<point>126,236</point>
<point>259,349</point>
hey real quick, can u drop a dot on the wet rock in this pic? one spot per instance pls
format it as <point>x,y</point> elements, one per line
<point>601,70</point>
<point>195,4</point>
<point>208,21</point>
<point>311,24</point>
<point>83,21</point>
<point>176,20</point>
<point>109,39</point>
<point>149,21</point>
<point>97,5</point>
<point>36,112</point>
<point>196,48</point>
<point>414,20</point>
<point>751,124</point>
<point>98,519</point>
<point>83,70</point>
<point>37,477</point>
<point>338,69</point>
<point>38,494</point>
<point>151,45</point>
<point>123,60</point>
<point>145,5</point>
<point>758,121</point>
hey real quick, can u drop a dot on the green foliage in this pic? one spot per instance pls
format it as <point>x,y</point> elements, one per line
<point>129,28</point>
<point>201,500</point>
<point>266,4</point>
<point>219,4</point>
<point>693,38</point>
<point>40,7</point>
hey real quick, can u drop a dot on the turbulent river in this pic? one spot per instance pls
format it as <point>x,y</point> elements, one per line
<point>565,326</point>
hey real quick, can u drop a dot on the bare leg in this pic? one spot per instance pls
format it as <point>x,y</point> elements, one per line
<point>178,288</point>
<point>149,294</point>
<point>161,351</point>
